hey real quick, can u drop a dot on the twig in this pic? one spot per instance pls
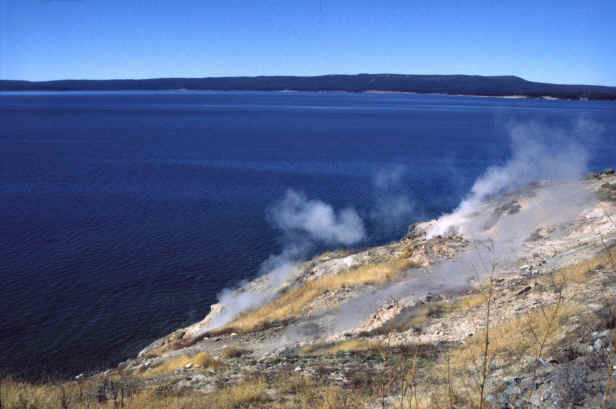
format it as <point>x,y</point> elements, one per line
<point>610,371</point>
<point>449,386</point>
<point>485,358</point>
<point>484,371</point>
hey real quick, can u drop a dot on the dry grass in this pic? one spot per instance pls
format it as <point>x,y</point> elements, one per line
<point>306,393</point>
<point>329,397</point>
<point>15,394</point>
<point>417,318</point>
<point>344,346</point>
<point>457,375</point>
<point>232,352</point>
<point>423,313</point>
<point>167,346</point>
<point>336,253</point>
<point>156,352</point>
<point>468,303</point>
<point>292,303</point>
<point>202,360</point>
<point>73,395</point>
<point>578,272</point>
<point>242,395</point>
<point>519,337</point>
<point>420,315</point>
<point>510,347</point>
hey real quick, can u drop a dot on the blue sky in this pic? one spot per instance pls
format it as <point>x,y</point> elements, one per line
<point>552,41</point>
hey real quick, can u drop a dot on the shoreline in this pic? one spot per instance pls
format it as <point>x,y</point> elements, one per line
<point>289,91</point>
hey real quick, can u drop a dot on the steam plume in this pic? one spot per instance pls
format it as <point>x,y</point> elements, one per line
<point>538,153</point>
<point>317,220</point>
<point>303,223</point>
<point>392,206</point>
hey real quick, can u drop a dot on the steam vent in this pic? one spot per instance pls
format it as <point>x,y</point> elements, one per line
<point>537,257</point>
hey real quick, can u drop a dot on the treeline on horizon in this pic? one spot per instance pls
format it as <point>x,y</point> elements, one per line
<point>423,84</point>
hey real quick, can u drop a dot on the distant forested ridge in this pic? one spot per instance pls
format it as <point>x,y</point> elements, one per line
<point>423,84</point>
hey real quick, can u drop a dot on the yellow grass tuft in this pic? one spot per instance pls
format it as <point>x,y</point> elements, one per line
<point>156,352</point>
<point>202,360</point>
<point>529,335</point>
<point>292,303</point>
<point>232,352</point>
<point>306,393</point>
<point>422,314</point>
<point>468,303</point>
<point>14,394</point>
<point>335,253</point>
<point>578,272</point>
<point>241,395</point>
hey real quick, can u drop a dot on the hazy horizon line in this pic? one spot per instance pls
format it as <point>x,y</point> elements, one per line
<point>299,76</point>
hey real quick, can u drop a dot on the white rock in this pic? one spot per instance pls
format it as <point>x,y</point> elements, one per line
<point>601,334</point>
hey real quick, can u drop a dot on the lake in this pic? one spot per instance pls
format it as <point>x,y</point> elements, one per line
<point>124,214</point>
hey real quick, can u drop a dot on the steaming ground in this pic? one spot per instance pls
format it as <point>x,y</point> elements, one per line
<point>529,232</point>
<point>305,223</point>
<point>539,186</point>
<point>537,244</point>
<point>522,224</point>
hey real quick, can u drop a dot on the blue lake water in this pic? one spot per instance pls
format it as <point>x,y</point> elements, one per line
<point>123,214</point>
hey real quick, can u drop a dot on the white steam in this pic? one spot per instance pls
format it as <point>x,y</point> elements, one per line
<point>275,272</point>
<point>317,220</point>
<point>389,177</point>
<point>392,205</point>
<point>304,223</point>
<point>538,153</point>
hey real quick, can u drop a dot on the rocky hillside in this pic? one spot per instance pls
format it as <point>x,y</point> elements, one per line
<point>513,308</point>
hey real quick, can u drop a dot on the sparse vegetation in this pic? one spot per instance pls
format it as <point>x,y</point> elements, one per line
<point>291,304</point>
<point>201,360</point>
<point>336,253</point>
<point>305,393</point>
<point>344,346</point>
<point>105,394</point>
<point>241,395</point>
<point>232,352</point>
<point>578,272</point>
<point>453,381</point>
<point>469,302</point>
<point>457,374</point>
